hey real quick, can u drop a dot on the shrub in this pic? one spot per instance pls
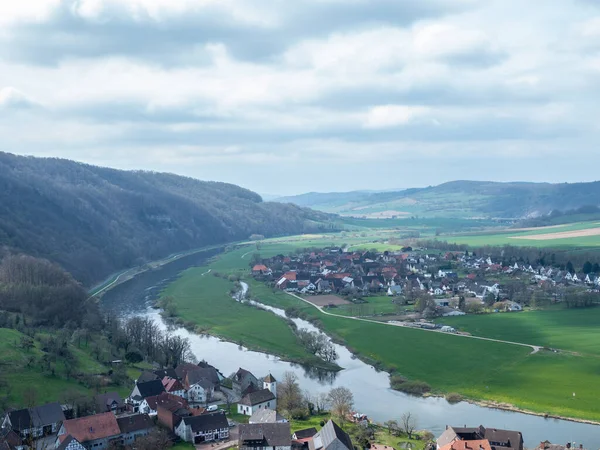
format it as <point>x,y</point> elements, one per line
<point>453,398</point>
<point>413,387</point>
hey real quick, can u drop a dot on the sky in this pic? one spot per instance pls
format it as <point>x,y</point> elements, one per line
<point>292,96</point>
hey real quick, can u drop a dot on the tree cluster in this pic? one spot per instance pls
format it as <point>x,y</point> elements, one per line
<point>317,344</point>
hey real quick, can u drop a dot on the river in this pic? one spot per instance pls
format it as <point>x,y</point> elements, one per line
<point>371,390</point>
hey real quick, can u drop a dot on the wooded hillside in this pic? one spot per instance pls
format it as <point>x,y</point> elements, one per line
<point>94,221</point>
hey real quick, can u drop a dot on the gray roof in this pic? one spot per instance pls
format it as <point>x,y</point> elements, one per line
<point>38,416</point>
<point>105,401</point>
<point>207,422</point>
<point>331,437</point>
<point>268,434</point>
<point>258,397</point>
<point>266,416</point>
<point>135,422</point>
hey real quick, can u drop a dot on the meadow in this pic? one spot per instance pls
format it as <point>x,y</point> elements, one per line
<point>566,329</point>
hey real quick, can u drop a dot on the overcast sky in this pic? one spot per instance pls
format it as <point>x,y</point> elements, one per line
<point>289,96</point>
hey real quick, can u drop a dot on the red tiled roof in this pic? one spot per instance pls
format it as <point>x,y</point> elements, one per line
<point>90,428</point>
<point>291,276</point>
<point>482,444</point>
<point>259,268</point>
<point>171,384</point>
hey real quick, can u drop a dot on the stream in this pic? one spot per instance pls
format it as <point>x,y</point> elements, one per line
<point>372,394</point>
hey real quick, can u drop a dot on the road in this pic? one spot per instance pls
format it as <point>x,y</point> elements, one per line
<point>535,348</point>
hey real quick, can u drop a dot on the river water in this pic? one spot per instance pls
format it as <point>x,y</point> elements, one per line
<point>371,390</point>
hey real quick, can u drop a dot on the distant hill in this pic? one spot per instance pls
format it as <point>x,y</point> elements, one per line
<point>464,199</point>
<point>95,221</point>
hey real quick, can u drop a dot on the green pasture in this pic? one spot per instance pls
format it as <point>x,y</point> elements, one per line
<point>374,306</point>
<point>205,301</point>
<point>575,330</point>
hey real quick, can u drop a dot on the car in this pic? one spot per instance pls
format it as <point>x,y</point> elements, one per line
<point>212,408</point>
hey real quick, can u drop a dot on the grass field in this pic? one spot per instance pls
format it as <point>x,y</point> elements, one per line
<point>520,238</point>
<point>374,306</point>
<point>568,329</point>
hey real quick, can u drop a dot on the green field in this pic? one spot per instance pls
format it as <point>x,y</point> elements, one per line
<point>374,306</point>
<point>567,329</point>
<point>205,300</point>
<point>507,237</point>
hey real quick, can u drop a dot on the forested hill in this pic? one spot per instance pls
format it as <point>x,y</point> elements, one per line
<point>94,221</point>
<point>461,199</point>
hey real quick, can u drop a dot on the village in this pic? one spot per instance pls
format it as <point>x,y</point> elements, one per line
<point>195,403</point>
<point>422,284</point>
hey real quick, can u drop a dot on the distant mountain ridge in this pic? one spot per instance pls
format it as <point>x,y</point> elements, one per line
<point>95,221</point>
<point>463,199</point>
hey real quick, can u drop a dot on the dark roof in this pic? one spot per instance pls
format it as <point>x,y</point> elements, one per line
<point>9,438</point>
<point>105,401</point>
<point>255,398</point>
<point>269,434</point>
<point>70,440</point>
<point>182,369</point>
<point>146,376</point>
<point>20,419</point>
<point>270,379</point>
<point>47,414</point>
<point>150,388</point>
<point>306,433</point>
<point>137,422</point>
<point>201,377</point>
<point>207,422</point>
<point>165,373</point>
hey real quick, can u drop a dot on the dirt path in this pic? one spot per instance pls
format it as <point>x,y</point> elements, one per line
<point>560,235</point>
<point>535,348</point>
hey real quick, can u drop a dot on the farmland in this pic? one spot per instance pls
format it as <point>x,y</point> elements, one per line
<point>560,236</point>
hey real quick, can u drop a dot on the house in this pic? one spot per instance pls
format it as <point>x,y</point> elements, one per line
<point>174,387</point>
<point>37,422</point>
<point>170,411</point>
<point>301,438</point>
<point>265,436</point>
<point>150,405</point>
<point>144,390</point>
<point>267,416</point>
<point>254,401</point>
<point>243,379</point>
<point>498,439</point>
<point>133,427</point>
<point>199,388</point>
<point>331,437</point>
<point>109,402</point>
<point>203,428</point>
<point>70,443</point>
<point>95,431</point>
<point>9,440</point>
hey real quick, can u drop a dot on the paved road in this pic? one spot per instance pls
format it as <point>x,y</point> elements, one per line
<point>535,348</point>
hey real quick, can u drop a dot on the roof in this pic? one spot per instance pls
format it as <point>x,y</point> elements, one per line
<point>266,416</point>
<point>105,401</point>
<point>171,384</point>
<point>207,422</point>
<point>70,440</point>
<point>257,397</point>
<point>38,416</point>
<point>201,377</point>
<point>306,433</point>
<point>480,444</point>
<point>259,267</point>
<point>137,422</point>
<point>90,428</point>
<point>20,419</point>
<point>496,437</point>
<point>47,414</point>
<point>331,437</point>
<point>166,400</point>
<point>270,379</point>
<point>146,376</point>
<point>150,388</point>
<point>165,373</point>
<point>269,434</point>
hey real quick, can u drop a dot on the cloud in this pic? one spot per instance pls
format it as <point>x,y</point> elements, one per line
<point>12,98</point>
<point>220,88</point>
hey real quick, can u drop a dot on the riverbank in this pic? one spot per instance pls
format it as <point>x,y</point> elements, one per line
<point>202,302</point>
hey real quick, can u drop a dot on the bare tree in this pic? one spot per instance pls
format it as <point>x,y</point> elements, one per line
<point>392,426</point>
<point>342,402</point>
<point>289,394</point>
<point>409,423</point>
<point>321,402</point>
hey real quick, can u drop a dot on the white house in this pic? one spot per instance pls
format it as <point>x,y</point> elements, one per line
<point>255,401</point>
<point>203,428</point>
